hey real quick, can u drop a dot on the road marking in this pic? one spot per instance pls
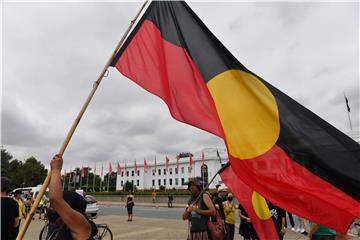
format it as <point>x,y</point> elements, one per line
<point>122,236</point>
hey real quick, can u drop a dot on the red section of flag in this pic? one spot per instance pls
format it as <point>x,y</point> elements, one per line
<point>145,166</point>
<point>190,162</point>
<point>202,158</point>
<point>306,202</point>
<point>110,168</point>
<point>265,229</point>
<point>118,169</point>
<point>167,160</point>
<point>135,167</point>
<point>177,162</point>
<point>182,97</point>
<point>82,171</point>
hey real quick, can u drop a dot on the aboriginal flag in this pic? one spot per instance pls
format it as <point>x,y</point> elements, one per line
<point>275,145</point>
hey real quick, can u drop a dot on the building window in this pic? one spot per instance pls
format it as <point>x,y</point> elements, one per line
<point>153,172</point>
<point>170,181</point>
<point>182,170</point>
<point>127,173</point>
<point>122,183</point>
<point>164,171</point>
<point>132,173</point>
<point>132,182</point>
<point>170,171</point>
<point>153,182</point>
<point>164,182</point>
<point>122,173</point>
<point>183,181</point>
<point>176,181</point>
<point>176,170</point>
<point>137,182</point>
<point>138,172</point>
<point>159,182</point>
<point>159,171</point>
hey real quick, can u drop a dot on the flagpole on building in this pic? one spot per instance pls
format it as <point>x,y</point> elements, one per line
<point>348,111</point>
<point>69,180</point>
<point>75,124</point>
<point>87,179</point>
<point>94,182</point>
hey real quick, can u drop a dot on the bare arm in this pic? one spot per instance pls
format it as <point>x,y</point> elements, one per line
<point>211,208</point>
<point>243,217</point>
<point>80,228</point>
<point>187,212</point>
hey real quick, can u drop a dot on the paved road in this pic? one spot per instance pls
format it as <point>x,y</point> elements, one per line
<point>167,213</point>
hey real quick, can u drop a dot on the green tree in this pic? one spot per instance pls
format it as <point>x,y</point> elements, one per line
<point>128,186</point>
<point>34,172</point>
<point>5,161</point>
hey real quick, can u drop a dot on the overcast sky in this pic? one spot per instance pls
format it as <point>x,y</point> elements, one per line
<point>53,52</point>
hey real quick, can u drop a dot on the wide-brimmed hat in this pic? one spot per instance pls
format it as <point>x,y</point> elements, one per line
<point>197,182</point>
<point>222,188</point>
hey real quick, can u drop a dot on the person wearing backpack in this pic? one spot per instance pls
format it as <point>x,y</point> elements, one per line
<point>67,209</point>
<point>198,211</point>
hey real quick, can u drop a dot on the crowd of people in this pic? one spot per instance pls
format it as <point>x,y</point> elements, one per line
<point>202,208</point>
<point>65,211</point>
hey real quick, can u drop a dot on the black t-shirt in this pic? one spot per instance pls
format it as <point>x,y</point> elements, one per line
<point>277,214</point>
<point>219,201</point>
<point>9,211</point>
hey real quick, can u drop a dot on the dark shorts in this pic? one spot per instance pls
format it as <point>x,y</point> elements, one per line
<point>130,209</point>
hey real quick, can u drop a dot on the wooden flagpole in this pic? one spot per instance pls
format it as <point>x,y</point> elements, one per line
<point>75,124</point>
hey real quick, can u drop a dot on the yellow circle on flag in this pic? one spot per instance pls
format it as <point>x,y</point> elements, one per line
<point>260,206</point>
<point>248,113</point>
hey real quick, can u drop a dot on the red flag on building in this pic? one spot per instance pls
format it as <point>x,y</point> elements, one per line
<point>307,166</point>
<point>136,168</point>
<point>110,169</point>
<point>202,158</point>
<point>177,162</point>
<point>155,164</point>
<point>253,203</point>
<point>118,168</point>
<point>190,162</point>
<point>82,171</point>
<point>145,166</point>
<point>102,170</point>
<point>167,160</point>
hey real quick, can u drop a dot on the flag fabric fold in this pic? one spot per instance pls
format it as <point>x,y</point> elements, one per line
<point>275,146</point>
<point>145,166</point>
<point>118,169</point>
<point>82,171</point>
<point>110,169</point>
<point>190,162</point>
<point>135,167</point>
<point>167,160</point>
<point>254,204</point>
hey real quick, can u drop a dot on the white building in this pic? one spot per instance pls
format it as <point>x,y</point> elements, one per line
<point>174,178</point>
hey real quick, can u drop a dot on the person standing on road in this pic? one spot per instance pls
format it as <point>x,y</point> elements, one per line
<point>170,200</point>
<point>153,195</point>
<point>198,211</point>
<point>229,210</point>
<point>21,210</point>
<point>9,211</point>
<point>130,205</point>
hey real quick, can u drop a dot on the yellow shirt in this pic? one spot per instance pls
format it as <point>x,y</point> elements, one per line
<point>229,210</point>
<point>21,207</point>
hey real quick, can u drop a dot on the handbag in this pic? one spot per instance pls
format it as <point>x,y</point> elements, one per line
<point>216,229</point>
